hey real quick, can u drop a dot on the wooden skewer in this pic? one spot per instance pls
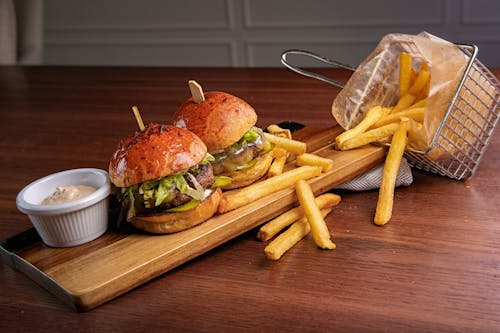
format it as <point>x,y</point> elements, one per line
<point>196,91</point>
<point>138,117</point>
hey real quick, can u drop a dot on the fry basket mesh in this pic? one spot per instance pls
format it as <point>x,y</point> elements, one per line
<point>468,124</point>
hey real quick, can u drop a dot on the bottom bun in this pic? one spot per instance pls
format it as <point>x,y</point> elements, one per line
<point>173,222</point>
<point>248,176</point>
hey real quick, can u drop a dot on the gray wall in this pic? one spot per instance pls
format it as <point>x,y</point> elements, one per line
<point>253,33</point>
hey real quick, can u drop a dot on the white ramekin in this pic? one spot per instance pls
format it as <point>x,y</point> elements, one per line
<point>71,223</point>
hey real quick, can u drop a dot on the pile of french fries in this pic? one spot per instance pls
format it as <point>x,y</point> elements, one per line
<point>301,220</point>
<point>298,221</point>
<point>390,125</point>
<point>382,124</point>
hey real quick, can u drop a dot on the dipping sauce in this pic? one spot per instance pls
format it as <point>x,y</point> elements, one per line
<point>68,193</point>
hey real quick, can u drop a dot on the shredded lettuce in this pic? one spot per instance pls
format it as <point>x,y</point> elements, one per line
<point>251,135</point>
<point>196,193</point>
<point>207,159</point>
<point>155,192</point>
<point>251,138</point>
<point>160,190</point>
<point>131,207</point>
<point>164,191</point>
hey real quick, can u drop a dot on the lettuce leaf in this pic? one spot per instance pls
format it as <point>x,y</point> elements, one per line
<point>182,185</point>
<point>251,135</point>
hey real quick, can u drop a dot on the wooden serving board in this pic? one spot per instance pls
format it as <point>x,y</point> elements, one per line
<point>91,274</point>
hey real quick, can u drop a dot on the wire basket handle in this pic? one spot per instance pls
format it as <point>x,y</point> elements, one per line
<point>317,76</point>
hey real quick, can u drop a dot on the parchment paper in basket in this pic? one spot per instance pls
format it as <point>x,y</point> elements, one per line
<point>372,178</point>
<point>373,81</point>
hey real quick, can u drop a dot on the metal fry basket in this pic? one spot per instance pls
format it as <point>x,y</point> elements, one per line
<point>466,128</point>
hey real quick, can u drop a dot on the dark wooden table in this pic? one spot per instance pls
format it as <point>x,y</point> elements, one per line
<point>434,267</point>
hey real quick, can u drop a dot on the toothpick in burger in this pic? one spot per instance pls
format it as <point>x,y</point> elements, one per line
<point>164,179</point>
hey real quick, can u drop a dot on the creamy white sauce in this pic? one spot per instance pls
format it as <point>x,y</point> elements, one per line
<point>181,123</point>
<point>68,193</point>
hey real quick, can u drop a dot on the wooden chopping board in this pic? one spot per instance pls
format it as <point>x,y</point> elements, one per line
<point>91,274</point>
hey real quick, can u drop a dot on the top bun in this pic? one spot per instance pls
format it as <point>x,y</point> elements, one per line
<point>221,120</point>
<point>157,151</point>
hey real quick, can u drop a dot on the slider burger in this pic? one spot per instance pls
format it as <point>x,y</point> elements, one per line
<point>164,179</point>
<point>227,126</point>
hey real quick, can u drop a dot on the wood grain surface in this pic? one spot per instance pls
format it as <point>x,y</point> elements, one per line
<point>123,258</point>
<point>433,268</point>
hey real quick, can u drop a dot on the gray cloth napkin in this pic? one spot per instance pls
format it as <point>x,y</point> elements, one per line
<point>371,179</point>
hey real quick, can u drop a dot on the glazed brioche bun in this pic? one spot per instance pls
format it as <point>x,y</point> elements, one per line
<point>220,120</point>
<point>157,151</point>
<point>175,222</point>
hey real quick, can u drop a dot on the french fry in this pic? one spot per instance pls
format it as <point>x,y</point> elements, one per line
<point>293,146</point>
<point>424,66</point>
<point>385,140</point>
<point>420,82</point>
<point>371,117</point>
<point>416,114</point>
<point>285,241</point>
<point>234,199</point>
<point>420,104</point>
<point>404,73</point>
<point>387,110</point>
<point>369,136</point>
<point>271,228</point>
<point>273,128</point>
<point>424,92</point>
<point>278,131</point>
<point>413,76</point>
<point>319,229</point>
<point>385,201</point>
<point>280,154</point>
<point>310,159</point>
<point>404,102</point>
<point>276,168</point>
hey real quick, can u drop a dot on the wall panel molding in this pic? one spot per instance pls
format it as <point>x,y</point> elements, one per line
<point>141,54</point>
<point>475,12</point>
<point>353,14</point>
<point>253,32</point>
<point>138,27</point>
<point>268,53</point>
<point>129,15</point>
